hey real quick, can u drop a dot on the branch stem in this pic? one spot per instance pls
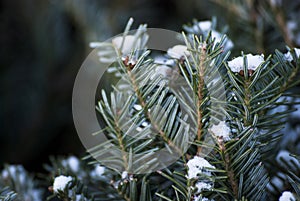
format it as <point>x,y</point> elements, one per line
<point>282,25</point>
<point>230,172</point>
<point>149,116</point>
<point>200,95</point>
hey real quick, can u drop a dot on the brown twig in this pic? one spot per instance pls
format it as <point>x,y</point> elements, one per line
<point>282,25</point>
<point>149,116</point>
<point>200,94</point>
<point>229,171</point>
<point>121,144</point>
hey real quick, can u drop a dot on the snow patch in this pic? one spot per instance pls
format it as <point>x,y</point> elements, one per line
<point>221,130</point>
<point>197,166</point>
<point>237,64</point>
<point>287,196</point>
<point>61,182</point>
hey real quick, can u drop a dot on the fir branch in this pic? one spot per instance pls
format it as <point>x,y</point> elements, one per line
<point>147,113</point>
<point>258,31</point>
<point>239,172</point>
<point>200,95</point>
<point>247,98</point>
<point>292,73</point>
<point>121,143</point>
<point>282,24</point>
<point>229,171</point>
<point>7,195</point>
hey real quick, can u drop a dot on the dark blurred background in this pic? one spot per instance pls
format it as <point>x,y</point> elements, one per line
<point>43,44</point>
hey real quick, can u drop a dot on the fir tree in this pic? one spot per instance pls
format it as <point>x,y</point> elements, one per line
<point>220,127</point>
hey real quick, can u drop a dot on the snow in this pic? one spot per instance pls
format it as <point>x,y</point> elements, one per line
<point>228,44</point>
<point>16,172</point>
<point>139,129</point>
<point>197,166</point>
<point>164,61</point>
<point>95,44</point>
<point>5,174</point>
<point>145,124</point>
<point>203,186</point>
<point>124,175</point>
<point>178,51</point>
<point>288,56</point>
<point>19,176</point>
<point>72,162</point>
<point>163,70</point>
<point>206,26</point>
<point>61,182</point>
<point>129,42</point>
<point>137,107</point>
<point>200,198</point>
<point>287,196</point>
<point>97,172</point>
<point>221,130</point>
<point>237,64</point>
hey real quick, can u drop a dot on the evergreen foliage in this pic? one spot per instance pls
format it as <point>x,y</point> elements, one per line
<point>219,117</point>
